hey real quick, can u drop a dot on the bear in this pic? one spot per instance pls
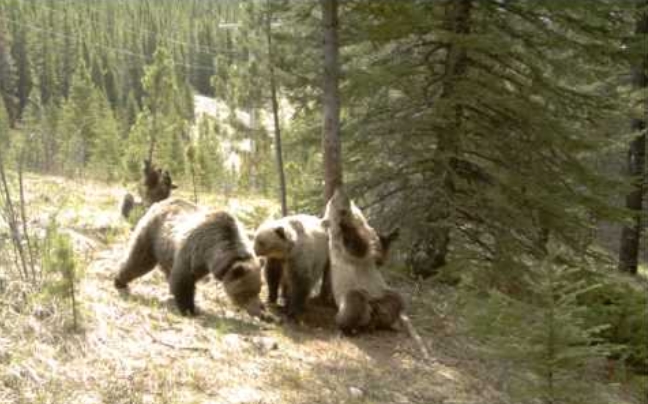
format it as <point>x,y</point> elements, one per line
<point>380,253</point>
<point>156,186</point>
<point>296,252</point>
<point>362,296</point>
<point>188,243</point>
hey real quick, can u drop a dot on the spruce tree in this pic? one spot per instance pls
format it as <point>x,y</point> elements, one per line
<point>159,128</point>
<point>543,333</point>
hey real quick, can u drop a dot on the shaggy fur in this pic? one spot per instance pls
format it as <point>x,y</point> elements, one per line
<point>156,186</point>
<point>296,248</point>
<point>363,298</point>
<point>188,243</point>
<point>127,205</point>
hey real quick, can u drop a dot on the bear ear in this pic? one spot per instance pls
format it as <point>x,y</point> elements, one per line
<point>279,231</point>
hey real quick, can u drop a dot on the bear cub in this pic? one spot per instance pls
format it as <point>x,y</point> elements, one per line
<point>364,300</point>
<point>296,252</point>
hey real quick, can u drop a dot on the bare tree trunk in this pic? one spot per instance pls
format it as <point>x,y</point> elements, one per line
<point>275,115</point>
<point>73,300</point>
<point>23,214</point>
<point>192,168</point>
<point>153,137</point>
<point>331,100</point>
<point>12,221</point>
<point>331,132</point>
<point>631,234</point>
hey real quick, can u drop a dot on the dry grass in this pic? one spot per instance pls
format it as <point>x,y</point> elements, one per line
<point>136,348</point>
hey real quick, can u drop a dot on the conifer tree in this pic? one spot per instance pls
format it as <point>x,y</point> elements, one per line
<point>7,76</point>
<point>637,155</point>
<point>543,332</point>
<point>158,130</point>
<point>78,123</point>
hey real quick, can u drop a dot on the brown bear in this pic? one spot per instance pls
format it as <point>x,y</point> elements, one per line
<point>362,296</point>
<point>296,251</point>
<point>156,186</point>
<point>188,243</point>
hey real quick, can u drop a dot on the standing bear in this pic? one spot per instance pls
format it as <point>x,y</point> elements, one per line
<point>189,243</point>
<point>296,251</point>
<point>362,296</point>
<point>156,186</point>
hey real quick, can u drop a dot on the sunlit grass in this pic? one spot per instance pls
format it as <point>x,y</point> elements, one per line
<point>137,349</point>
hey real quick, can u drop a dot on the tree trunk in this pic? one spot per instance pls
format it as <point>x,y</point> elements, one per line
<point>331,131</point>
<point>275,115</point>
<point>331,100</point>
<point>429,252</point>
<point>631,234</point>
<point>12,221</point>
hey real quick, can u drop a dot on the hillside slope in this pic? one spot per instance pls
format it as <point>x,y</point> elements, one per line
<point>136,348</point>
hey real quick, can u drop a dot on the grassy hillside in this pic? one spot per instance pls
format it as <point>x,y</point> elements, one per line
<point>138,349</point>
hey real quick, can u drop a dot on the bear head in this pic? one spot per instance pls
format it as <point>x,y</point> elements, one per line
<point>346,219</point>
<point>242,282</point>
<point>274,240</point>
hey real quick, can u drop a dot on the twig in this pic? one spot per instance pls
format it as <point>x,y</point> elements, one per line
<point>178,347</point>
<point>415,336</point>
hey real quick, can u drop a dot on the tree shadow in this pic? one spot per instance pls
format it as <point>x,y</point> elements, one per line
<point>221,320</point>
<point>318,323</point>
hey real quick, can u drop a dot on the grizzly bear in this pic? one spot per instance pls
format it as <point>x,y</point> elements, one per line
<point>188,243</point>
<point>156,186</point>
<point>362,296</point>
<point>296,251</point>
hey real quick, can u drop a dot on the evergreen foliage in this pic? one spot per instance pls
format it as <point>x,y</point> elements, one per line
<point>621,304</point>
<point>159,127</point>
<point>60,269</point>
<point>543,332</point>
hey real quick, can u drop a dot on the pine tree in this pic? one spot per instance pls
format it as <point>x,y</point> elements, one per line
<point>61,270</point>
<point>79,123</point>
<point>107,149</point>
<point>543,333</point>
<point>160,126</point>
<point>636,157</point>
<point>7,76</point>
<point>487,125</point>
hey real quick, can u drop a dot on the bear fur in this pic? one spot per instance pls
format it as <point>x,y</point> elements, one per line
<point>156,186</point>
<point>364,300</point>
<point>296,250</point>
<point>188,243</point>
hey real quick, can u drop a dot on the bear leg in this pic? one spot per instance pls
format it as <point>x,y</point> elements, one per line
<point>354,313</point>
<point>273,270</point>
<point>182,284</point>
<point>386,310</point>
<point>298,291</point>
<point>139,261</point>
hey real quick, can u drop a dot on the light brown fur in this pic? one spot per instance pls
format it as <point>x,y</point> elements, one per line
<point>364,300</point>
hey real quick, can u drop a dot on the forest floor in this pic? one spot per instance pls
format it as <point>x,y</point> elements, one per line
<point>136,348</point>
